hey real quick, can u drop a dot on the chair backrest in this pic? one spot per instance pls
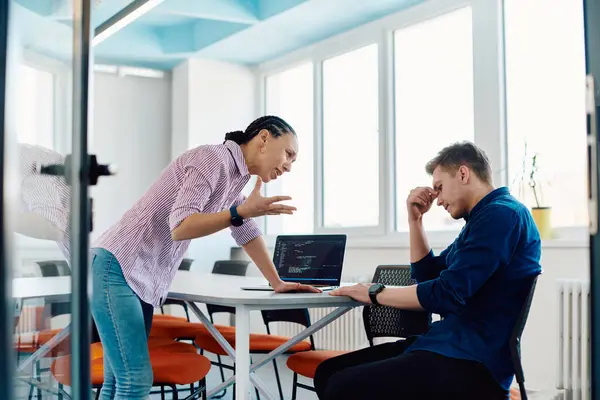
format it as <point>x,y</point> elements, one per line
<point>515,340</point>
<point>226,267</point>
<point>383,321</point>
<point>299,316</point>
<point>186,264</point>
<point>54,268</point>
<point>231,267</point>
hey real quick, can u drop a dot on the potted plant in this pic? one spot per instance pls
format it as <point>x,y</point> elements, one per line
<point>530,177</point>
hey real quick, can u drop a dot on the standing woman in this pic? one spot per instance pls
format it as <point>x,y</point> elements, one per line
<point>198,194</point>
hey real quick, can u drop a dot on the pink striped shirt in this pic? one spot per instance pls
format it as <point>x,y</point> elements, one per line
<point>45,195</point>
<point>207,179</point>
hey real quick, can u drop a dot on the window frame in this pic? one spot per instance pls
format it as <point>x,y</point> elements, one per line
<point>61,93</point>
<point>489,111</point>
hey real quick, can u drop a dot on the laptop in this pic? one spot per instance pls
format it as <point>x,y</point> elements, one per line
<point>315,260</point>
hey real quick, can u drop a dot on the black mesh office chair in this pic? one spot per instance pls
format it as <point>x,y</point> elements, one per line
<point>185,265</point>
<point>515,340</point>
<point>383,321</point>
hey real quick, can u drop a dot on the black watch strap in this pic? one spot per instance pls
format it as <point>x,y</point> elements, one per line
<point>374,290</point>
<point>236,219</point>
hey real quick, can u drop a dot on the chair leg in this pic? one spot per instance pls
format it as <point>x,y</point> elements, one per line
<point>60,391</point>
<point>203,393</point>
<point>30,395</point>
<point>221,368</point>
<point>39,375</point>
<point>97,393</point>
<point>278,381</point>
<point>175,394</point>
<point>523,391</point>
<point>162,393</point>
<point>294,387</point>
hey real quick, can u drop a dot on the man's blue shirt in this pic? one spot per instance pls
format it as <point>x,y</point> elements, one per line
<point>479,284</point>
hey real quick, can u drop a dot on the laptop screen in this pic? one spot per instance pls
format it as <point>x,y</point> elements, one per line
<point>310,259</point>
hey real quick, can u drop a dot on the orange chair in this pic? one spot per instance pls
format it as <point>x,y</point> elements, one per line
<point>173,364</point>
<point>176,328</point>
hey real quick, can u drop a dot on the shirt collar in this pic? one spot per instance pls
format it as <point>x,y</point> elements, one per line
<point>487,199</point>
<point>238,156</point>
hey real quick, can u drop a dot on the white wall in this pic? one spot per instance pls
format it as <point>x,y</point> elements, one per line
<point>132,129</point>
<point>210,98</point>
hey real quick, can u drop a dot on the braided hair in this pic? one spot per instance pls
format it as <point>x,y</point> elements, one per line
<point>275,125</point>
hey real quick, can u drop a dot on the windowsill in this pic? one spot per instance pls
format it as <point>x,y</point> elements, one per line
<point>565,238</point>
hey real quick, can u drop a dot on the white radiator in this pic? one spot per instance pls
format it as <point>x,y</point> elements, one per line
<point>574,364</point>
<point>345,333</point>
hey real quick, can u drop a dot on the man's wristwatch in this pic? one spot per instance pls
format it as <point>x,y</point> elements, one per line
<point>374,290</point>
<point>236,219</point>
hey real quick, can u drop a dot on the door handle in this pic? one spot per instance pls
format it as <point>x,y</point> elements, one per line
<point>96,170</point>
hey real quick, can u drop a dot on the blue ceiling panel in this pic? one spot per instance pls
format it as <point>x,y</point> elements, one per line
<point>239,11</point>
<point>241,31</point>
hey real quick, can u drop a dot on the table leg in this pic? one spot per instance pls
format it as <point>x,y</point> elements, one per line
<point>261,386</point>
<point>242,353</point>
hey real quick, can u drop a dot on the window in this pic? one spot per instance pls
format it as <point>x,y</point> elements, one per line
<point>351,139</point>
<point>289,95</point>
<point>35,107</point>
<point>433,103</point>
<point>545,93</point>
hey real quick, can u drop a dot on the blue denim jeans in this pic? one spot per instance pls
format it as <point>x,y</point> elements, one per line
<point>123,321</point>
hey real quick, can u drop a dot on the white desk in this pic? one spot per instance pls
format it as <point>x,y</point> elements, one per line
<point>213,289</point>
<point>55,289</point>
<point>225,290</point>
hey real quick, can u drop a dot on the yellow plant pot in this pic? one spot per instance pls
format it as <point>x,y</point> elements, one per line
<point>543,220</point>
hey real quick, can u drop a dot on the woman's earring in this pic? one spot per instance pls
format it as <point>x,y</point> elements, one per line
<point>262,149</point>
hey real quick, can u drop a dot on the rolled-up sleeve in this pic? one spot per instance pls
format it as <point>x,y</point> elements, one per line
<point>193,194</point>
<point>490,243</point>
<point>246,232</point>
<point>429,267</point>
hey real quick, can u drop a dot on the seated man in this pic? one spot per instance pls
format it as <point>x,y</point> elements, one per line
<point>478,284</point>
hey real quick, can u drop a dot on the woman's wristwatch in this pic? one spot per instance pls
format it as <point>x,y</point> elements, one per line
<point>236,219</point>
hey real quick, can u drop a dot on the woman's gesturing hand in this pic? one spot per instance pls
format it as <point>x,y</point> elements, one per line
<point>256,205</point>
